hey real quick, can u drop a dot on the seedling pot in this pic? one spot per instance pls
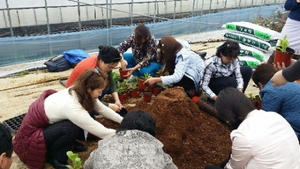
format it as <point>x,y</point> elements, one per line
<point>133,93</point>
<point>283,57</point>
<point>156,90</point>
<point>141,84</point>
<point>123,112</point>
<point>147,96</point>
<point>151,88</point>
<point>123,73</point>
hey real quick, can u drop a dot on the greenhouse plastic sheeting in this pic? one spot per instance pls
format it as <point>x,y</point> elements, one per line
<point>32,48</point>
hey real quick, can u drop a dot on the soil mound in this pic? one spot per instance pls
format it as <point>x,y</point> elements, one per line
<point>193,138</point>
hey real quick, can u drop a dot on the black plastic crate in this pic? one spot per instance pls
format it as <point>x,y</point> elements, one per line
<point>14,123</point>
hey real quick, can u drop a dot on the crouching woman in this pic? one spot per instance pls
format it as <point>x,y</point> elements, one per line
<point>56,119</point>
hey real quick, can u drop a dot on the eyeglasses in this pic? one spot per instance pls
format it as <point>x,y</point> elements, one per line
<point>96,70</point>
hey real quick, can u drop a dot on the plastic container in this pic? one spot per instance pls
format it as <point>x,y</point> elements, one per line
<point>14,123</point>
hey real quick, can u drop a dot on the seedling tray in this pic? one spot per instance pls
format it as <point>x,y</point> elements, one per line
<point>14,123</point>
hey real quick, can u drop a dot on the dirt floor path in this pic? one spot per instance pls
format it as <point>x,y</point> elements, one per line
<point>18,92</point>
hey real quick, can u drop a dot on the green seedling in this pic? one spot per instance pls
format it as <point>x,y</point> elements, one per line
<point>76,161</point>
<point>284,43</point>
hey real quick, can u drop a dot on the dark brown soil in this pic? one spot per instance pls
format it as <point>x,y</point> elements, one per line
<point>193,138</point>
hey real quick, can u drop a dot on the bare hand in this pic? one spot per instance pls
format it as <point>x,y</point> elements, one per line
<point>118,103</point>
<point>241,90</point>
<point>278,79</point>
<point>215,97</point>
<point>115,107</point>
<point>130,71</point>
<point>279,66</point>
<point>151,81</point>
<point>124,63</point>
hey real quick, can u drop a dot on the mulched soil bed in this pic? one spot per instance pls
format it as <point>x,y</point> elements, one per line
<point>193,138</point>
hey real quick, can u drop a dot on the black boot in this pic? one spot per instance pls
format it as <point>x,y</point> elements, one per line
<point>57,164</point>
<point>79,147</point>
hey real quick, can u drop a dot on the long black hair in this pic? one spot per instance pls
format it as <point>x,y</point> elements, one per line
<point>229,49</point>
<point>6,145</point>
<point>138,120</point>
<point>233,106</point>
<point>141,33</point>
<point>108,54</point>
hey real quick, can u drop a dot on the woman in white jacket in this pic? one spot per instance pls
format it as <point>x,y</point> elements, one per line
<point>57,119</point>
<point>260,139</point>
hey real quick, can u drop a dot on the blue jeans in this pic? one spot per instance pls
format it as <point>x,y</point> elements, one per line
<point>151,69</point>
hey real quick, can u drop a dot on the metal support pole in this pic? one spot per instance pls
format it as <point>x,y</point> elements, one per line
<point>4,18</point>
<point>155,8</point>
<point>9,19</point>
<point>202,5</point>
<point>210,6</point>
<point>193,8</point>
<point>87,13</point>
<point>110,25</point>
<point>107,14</point>
<point>35,18</point>
<point>48,27</point>
<point>225,5</point>
<point>110,13</point>
<point>61,17</point>
<point>166,6</point>
<point>131,12</point>
<point>174,12</point>
<point>47,16</point>
<point>79,16</point>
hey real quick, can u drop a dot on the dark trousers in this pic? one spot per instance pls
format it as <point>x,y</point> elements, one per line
<point>218,84</point>
<point>60,138</point>
<point>188,85</point>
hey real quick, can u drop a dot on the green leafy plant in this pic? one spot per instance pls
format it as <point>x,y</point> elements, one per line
<point>116,76</point>
<point>133,85</point>
<point>76,161</point>
<point>122,86</point>
<point>284,43</point>
<point>147,76</point>
<point>251,97</point>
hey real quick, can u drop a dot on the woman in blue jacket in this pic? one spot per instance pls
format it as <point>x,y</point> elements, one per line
<point>182,64</point>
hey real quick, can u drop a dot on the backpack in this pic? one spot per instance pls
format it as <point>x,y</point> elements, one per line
<point>58,63</point>
<point>66,60</point>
